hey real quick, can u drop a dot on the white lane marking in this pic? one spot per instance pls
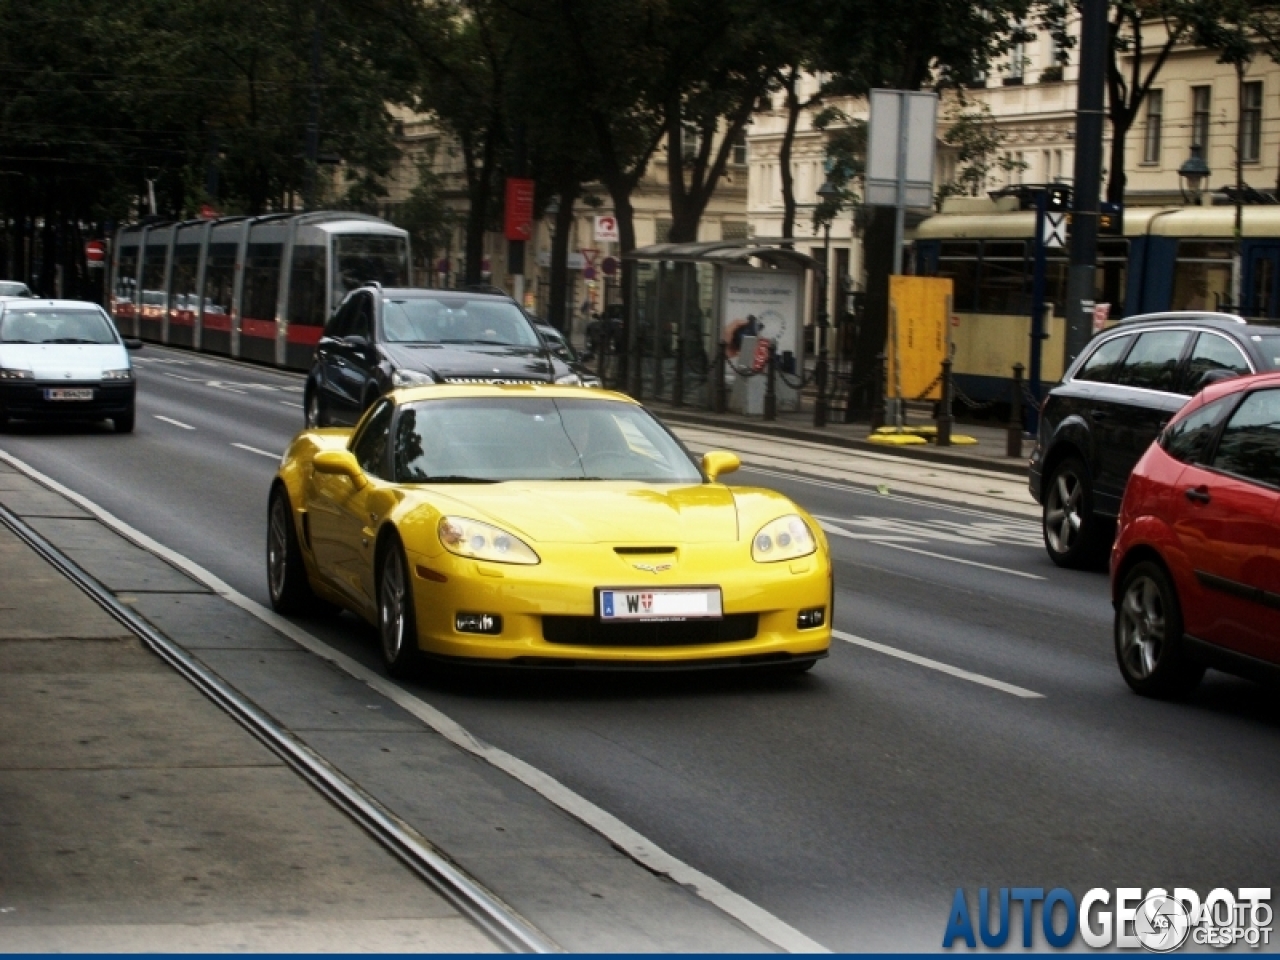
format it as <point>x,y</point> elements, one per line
<point>290,403</point>
<point>938,665</point>
<point>872,492</point>
<point>261,453</point>
<point>176,423</point>
<point>975,533</point>
<point>967,563</point>
<point>624,838</point>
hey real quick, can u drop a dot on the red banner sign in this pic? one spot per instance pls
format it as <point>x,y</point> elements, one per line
<point>519,222</point>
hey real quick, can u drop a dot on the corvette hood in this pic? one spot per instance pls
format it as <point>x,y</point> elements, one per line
<point>618,512</point>
<point>472,361</point>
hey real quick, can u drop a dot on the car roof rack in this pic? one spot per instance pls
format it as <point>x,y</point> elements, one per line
<point>1184,315</point>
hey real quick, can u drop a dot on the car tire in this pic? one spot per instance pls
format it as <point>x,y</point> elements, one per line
<point>316,413</point>
<point>287,582</point>
<point>124,423</point>
<point>1072,531</point>
<point>397,622</point>
<point>1150,649</point>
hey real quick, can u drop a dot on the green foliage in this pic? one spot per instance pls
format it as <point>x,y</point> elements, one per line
<point>846,152</point>
<point>977,140</point>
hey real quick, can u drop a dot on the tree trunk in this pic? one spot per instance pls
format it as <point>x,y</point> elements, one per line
<point>784,158</point>
<point>871,335</point>
<point>559,314</point>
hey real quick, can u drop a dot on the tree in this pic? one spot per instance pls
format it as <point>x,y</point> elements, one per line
<point>974,135</point>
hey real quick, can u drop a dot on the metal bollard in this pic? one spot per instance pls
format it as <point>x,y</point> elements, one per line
<point>770,387</point>
<point>820,380</point>
<point>945,419</point>
<point>677,383</point>
<point>877,410</point>
<point>717,384</point>
<point>1013,439</point>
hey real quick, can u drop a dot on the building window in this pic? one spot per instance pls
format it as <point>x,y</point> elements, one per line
<point>739,155</point>
<point>1251,123</point>
<point>1201,102</point>
<point>733,230</point>
<point>1017,64</point>
<point>1155,120</point>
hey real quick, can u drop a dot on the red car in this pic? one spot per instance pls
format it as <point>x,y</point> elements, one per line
<point>1195,570</point>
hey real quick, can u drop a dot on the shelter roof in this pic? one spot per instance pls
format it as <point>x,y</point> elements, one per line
<point>767,250</point>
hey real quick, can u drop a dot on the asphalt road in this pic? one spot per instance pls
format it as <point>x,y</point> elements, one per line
<point>1002,750</point>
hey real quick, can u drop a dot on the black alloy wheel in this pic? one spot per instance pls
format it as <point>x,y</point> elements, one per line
<point>287,582</point>
<point>1072,531</point>
<point>397,624</point>
<point>1150,649</point>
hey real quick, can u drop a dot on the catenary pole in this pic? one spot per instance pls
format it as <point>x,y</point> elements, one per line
<point>1088,177</point>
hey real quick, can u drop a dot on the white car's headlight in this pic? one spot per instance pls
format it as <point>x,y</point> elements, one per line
<point>125,374</point>
<point>8,374</point>
<point>480,541</point>
<point>569,380</point>
<point>410,378</point>
<point>783,539</point>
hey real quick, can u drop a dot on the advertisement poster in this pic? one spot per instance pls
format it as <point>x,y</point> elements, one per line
<point>762,303</point>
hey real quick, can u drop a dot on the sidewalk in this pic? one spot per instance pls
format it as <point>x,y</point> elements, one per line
<point>137,816</point>
<point>987,454</point>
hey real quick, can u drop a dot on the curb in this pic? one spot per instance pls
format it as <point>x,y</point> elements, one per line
<point>1017,468</point>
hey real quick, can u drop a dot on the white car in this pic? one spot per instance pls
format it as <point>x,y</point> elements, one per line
<point>14,288</point>
<point>64,360</point>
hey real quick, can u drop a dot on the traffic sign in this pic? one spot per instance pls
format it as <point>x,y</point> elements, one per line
<point>1054,235</point>
<point>609,266</point>
<point>606,229</point>
<point>95,252</point>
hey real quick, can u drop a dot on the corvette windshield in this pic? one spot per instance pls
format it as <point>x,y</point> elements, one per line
<point>55,326</point>
<point>456,320</point>
<point>491,439</point>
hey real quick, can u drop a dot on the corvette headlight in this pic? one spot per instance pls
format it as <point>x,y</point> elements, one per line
<point>7,374</point>
<point>410,378</point>
<point>569,380</point>
<point>479,541</point>
<point>783,539</point>
<point>125,374</point>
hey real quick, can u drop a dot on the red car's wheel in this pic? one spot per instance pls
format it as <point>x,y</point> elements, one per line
<point>1148,631</point>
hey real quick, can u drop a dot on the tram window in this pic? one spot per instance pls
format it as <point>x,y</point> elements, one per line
<point>1212,353</point>
<point>362,257</point>
<point>127,272</point>
<point>1153,362</point>
<point>186,265</point>
<point>1200,285</point>
<point>153,269</point>
<point>1101,365</point>
<point>306,286</point>
<point>220,277</point>
<point>959,261</point>
<point>1004,287</point>
<point>261,280</point>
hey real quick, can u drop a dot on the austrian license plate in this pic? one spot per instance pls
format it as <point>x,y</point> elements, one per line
<point>694,603</point>
<point>69,393</point>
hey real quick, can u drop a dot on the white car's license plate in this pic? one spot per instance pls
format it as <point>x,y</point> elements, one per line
<point>638,603</point>
<point>69,393</point>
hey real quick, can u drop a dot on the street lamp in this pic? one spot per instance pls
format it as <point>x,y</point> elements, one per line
<point>1193,175</point>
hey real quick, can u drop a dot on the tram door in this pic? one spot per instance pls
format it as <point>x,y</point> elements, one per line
<point>1261,286</point>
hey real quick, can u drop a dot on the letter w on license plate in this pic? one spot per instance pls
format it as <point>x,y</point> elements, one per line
<point>700,603</point>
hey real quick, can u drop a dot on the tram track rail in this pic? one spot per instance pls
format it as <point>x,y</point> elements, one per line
<point>507,929</point>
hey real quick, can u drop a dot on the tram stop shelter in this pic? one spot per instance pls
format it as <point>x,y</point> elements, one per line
<point>688,299</point>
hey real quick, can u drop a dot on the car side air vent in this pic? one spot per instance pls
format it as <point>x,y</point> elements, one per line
<point>642,551</point>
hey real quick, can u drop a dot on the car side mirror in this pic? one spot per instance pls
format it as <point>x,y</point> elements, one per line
<point>716,463</point>
<point>339,463</point>
<point>131,343</point>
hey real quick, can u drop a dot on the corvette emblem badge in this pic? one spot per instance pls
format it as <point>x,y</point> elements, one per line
<point>652,568</point>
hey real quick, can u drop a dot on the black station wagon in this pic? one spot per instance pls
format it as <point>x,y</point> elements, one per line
<point>1113,401</point>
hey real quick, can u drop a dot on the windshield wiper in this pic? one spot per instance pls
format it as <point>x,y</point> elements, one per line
<point>453,478</point>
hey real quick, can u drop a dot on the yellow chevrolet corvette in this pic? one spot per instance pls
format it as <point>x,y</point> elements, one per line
<point>543,526</point>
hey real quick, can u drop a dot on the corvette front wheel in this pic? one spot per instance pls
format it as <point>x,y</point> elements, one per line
<point>397,626</point>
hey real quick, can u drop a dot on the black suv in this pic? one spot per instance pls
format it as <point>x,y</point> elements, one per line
<point>1111,404</point>
<point>380,339</point>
